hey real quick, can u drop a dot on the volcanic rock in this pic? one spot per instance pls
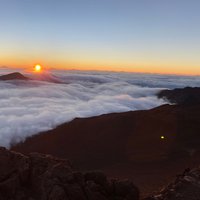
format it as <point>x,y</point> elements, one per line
<point>43,177</point>
<point>186,96</point>
<point>13,76</point>
<point>185,187</point>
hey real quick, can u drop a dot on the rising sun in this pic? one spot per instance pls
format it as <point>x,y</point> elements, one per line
<point>37,68</point>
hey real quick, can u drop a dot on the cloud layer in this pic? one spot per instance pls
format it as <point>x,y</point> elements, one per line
<point>27,108</point>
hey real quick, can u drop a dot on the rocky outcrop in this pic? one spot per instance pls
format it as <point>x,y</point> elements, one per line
<point>184,96</point>
<point>43,177</point>
<point>185,187</point>
<point>13,76</point>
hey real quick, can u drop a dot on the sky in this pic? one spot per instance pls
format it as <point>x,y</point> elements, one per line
<point>155,36</point>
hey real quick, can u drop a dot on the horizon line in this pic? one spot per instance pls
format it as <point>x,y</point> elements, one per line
<point>104,70</point>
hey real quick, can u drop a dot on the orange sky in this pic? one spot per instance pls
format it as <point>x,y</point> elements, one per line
<point>137,36</point>
<point>108,65</point>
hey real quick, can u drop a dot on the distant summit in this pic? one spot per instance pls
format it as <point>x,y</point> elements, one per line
<point>39,77</point>
<point>186,96</point>
<point>13,76</point>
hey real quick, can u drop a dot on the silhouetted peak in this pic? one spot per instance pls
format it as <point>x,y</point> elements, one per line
<point>13,76</point>
<point>186,96</point>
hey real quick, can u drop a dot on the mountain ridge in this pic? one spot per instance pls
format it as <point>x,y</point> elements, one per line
<point>148,146</point>
<point>13,76</point>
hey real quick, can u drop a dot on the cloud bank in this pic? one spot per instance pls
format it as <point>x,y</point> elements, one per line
<point>27,108</point>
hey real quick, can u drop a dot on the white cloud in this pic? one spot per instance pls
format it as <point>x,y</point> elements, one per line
<point>27,108</point>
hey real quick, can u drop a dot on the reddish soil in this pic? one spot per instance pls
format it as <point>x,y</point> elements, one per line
<point>128,145</point>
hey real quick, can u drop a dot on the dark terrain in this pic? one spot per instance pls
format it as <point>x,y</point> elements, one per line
<point>47,77</point>
<point>43,177</point>
<point>129,145</point>
<point>184,187</point>
<point>184,96</point>
<point>13,76</point>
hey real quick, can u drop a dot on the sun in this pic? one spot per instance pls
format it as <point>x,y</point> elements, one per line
<point>37,68</point>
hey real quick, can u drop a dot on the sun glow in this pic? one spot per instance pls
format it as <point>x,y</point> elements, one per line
<point>37,68</point>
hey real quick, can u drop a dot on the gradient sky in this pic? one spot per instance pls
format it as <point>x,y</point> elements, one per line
<point>161,36</point>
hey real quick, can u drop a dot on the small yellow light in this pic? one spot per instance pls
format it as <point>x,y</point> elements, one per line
<point>162,137</point>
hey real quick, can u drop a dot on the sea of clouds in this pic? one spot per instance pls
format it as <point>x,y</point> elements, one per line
<point>29,107</point>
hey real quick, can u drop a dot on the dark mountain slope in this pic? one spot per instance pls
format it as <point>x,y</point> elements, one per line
<point>185,96</point>
<point>128,145</point>
<point>13,76</point>
<point>149,146</point>
<point>132,136</point>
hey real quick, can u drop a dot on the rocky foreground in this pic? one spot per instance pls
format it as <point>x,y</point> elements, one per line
<point>43,177</point>
<point>185,187</point>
